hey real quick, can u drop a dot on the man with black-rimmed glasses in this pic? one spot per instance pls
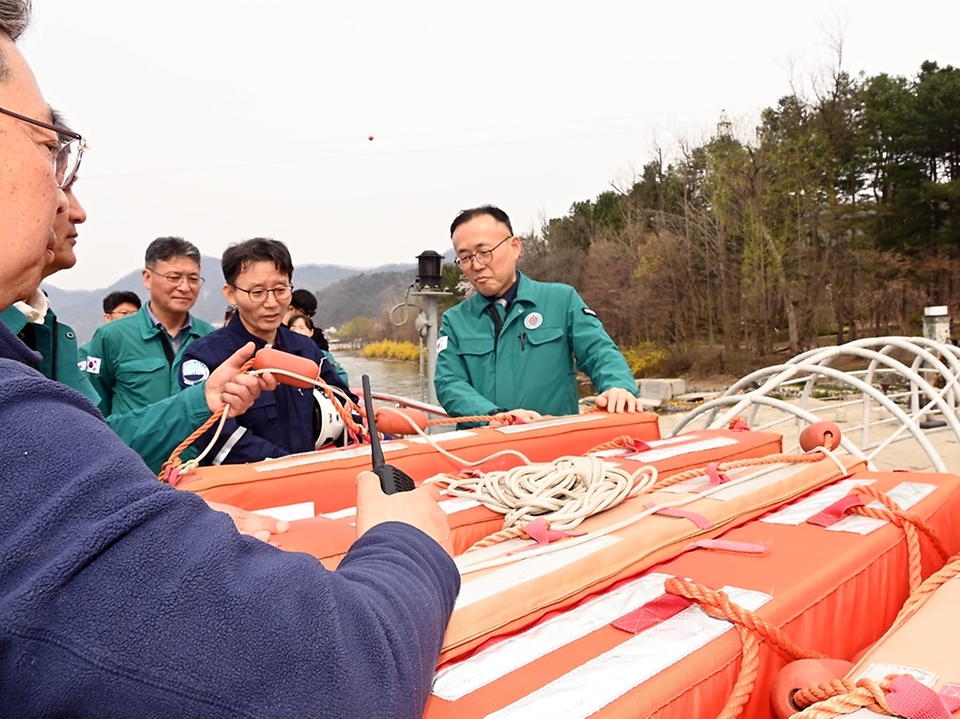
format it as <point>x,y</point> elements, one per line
<point>132,361</point>
<point>258,275</point>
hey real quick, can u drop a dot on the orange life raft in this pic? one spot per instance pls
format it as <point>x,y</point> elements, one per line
<point>834,590</point>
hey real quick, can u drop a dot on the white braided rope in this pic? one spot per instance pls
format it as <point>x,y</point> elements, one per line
<point>563,492</point>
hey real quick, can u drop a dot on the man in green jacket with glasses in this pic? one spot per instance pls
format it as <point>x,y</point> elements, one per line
<point>132,361</point>
<point>516,345</point>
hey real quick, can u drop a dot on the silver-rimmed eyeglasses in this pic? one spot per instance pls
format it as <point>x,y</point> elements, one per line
<point>175,279</point>
<point>67,160</point>
<point>481,257</point>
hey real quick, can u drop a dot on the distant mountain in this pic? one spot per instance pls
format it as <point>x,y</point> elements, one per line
<point>365,295</point>
<point>82,309</point>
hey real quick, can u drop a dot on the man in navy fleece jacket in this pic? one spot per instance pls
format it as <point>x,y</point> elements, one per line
<point>120,596</point>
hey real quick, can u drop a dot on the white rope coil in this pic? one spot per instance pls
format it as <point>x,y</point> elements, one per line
<point>563,492</point>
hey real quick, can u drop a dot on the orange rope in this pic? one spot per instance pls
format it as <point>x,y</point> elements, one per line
<point>502,418</point>
<point>843,697</point>
<point>909,522</point>
<point>624,441</point>
<point>174,459</point>
<point>929,586</point>
<point>737,464</point>
<point>750,626</point>
<point>502,536</point>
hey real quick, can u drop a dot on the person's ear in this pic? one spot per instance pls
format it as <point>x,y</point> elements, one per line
<point>230,294</point>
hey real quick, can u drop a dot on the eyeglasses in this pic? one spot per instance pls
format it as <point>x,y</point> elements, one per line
<point>259,294</point>
<point>175,280</point>
<point>481,258</point>
<point>67,160</point>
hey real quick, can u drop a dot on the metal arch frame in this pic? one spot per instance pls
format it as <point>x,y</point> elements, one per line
<point>807,367</point>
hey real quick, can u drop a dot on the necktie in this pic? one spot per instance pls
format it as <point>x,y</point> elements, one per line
<point>495,309</point>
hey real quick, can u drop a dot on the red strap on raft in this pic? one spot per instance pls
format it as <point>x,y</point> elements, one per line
<point>836,511</point>
<point>652,613</point>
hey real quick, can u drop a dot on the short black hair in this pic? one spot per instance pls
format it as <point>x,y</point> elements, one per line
<point>236,258</point>
<point>166,248</point>
<point>304,300</point>
<point>491,210</point>
<point>120,297</point>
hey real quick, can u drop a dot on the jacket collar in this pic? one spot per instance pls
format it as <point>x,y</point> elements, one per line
<point>524,296</point>
<point>149,329</point>
<point>238,332</point>
<point>12,348</point>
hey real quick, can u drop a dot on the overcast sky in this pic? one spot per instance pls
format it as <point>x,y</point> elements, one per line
<point>225,120</point>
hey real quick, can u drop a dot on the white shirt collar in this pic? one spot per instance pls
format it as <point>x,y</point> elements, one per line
<point>35,308</point>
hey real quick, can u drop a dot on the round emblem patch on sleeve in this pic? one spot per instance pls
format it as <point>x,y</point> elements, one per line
<point>194,372</point>
<point>533,320</point>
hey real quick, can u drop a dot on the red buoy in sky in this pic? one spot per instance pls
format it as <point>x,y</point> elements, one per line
<point>370,138</point>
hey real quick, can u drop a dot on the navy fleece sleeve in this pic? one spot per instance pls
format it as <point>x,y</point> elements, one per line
<point>120,596</point>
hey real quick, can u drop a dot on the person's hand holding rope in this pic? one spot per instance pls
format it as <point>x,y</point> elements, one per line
<point>230,384</point>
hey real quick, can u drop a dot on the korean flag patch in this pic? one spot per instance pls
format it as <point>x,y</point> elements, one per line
<point>441,344</point>
<point>588,311</point>
<point>93,365</point>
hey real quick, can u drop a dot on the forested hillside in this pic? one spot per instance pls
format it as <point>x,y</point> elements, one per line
<point>840,215</point>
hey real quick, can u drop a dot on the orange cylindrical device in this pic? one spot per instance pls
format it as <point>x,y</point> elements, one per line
<point>802,674</point>
<point>399,420</point>
<point>273,359</point>
<point>820,434</point>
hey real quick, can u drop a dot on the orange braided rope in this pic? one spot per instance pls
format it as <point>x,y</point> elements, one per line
<point>737,464</point>
<point>750,626</point>
<point>929,586</point>
<point>174,459</point>
<point>909,522</point>
<point>502,536</point>
<point>502,418</point>
<point>843,697</point>
<point>624,441</point>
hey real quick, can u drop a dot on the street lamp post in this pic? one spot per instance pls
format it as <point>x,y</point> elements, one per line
<point>428,286</point>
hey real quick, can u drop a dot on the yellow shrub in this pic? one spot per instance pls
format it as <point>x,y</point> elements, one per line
<point>388,349</point>
<point>645,358</point>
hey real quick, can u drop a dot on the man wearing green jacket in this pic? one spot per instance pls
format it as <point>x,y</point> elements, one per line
<point>132,361</point>
<point>516,345</point>
<point>153,431</point>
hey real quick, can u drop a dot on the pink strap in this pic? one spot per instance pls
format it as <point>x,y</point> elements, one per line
<point>912,700</point>
<point>652,613</point>
<point>716,477</point>
<point>728,545</point>
<point>540,531</point>
<point>836,511</point>
<point>636,445</point>
<point>950,696</point>
<point>698,519</point>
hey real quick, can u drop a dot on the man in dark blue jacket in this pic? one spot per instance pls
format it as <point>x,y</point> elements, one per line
<point>257,275</point>
<point>123,597</point>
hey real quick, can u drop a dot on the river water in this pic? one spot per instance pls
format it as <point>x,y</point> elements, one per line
<point>392,377</point>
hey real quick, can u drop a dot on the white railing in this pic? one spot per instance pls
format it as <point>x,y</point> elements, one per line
<point>928,364</point>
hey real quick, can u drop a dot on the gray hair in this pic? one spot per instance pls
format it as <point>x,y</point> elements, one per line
<point>166,248</point>
<point>14,18</point>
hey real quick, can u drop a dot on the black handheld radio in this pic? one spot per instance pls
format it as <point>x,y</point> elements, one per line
<point>392,480</point>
